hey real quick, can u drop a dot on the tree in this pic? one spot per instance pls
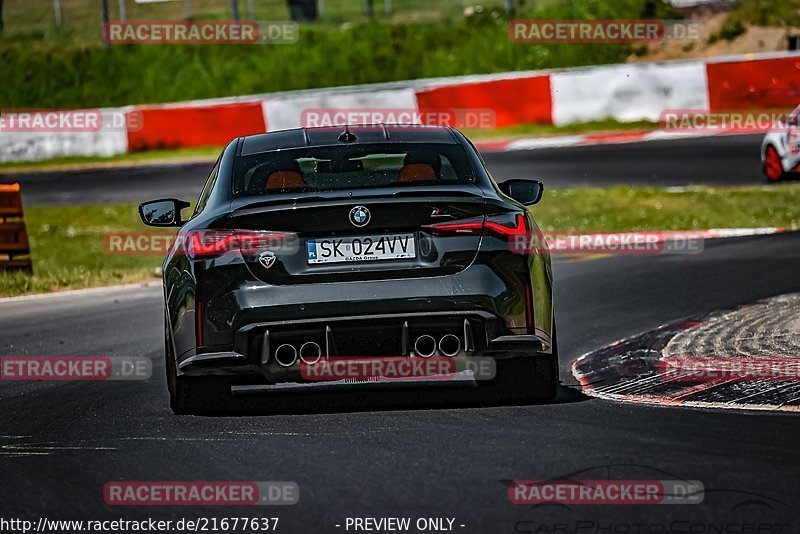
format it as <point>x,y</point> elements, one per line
<point>1,16</point>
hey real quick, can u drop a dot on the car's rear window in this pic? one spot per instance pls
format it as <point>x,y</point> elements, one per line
<point>351,167</point>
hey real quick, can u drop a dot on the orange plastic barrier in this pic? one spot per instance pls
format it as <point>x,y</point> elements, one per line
<point>764,83</point>
<point>13,236</point>
<point>514,101</point>
<point>193,126</point>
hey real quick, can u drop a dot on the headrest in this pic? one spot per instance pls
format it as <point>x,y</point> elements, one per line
<point>285,180</point>
<point>417,172</point>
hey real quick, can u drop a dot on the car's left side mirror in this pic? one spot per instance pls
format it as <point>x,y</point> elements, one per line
<point>163,213</point>
<point>791,120</point>
<point>526,192</point>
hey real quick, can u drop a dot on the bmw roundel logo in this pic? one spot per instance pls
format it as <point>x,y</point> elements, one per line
<point>359,216</point>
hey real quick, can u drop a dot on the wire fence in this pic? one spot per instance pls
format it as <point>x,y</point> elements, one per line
<point>84,18</point>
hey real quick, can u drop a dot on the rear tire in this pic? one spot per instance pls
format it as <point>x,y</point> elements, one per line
<point>773,168</point>
<point>193,395</point>
<point>200,395</point>
<point>530,378</point>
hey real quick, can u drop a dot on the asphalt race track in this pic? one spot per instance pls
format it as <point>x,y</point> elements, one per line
<point>61,442</point>
<point>727,160</point>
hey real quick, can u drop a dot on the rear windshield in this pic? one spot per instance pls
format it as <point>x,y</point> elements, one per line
<point>351,167</point>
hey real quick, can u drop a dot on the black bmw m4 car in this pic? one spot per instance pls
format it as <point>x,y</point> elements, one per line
<point>356,243</point>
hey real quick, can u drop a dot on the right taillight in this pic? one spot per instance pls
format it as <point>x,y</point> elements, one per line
<point>503,226</point>
<point>510,227</point>
<point>529,317</point>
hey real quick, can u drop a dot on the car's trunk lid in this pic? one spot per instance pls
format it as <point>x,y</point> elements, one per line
<point>400,227</point>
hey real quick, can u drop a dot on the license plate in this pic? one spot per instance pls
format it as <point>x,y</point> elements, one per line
<point>362,248</point>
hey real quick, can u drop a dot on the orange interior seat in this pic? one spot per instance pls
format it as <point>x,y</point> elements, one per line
<point>285,180</point>
<point>417,172</point>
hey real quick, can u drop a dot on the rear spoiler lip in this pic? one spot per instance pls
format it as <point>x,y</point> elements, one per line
<point>256,204</point>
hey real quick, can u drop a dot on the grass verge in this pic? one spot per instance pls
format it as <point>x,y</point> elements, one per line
<point>624,208</point>
<point>68,243</point>
<point>68,250</point>
<point>537,130</point>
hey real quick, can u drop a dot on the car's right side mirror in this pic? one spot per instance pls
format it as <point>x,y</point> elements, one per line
<point>526,192</point>
<point>162,213</point>
<point>791,120</point>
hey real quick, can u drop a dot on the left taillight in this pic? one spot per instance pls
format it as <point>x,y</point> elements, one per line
<point>207,244</point>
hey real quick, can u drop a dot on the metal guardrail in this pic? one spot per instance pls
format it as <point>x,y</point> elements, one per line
<point>14,246</point>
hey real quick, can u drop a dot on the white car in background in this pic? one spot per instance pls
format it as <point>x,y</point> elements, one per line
<point>780,151</point>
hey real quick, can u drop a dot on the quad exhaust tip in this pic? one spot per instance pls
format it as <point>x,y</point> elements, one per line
<point>425,346</point>
<point>310,352</point>
<point>286,355</point>
<point>449,345</point>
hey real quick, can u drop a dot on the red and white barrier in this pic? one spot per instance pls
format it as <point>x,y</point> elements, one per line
<point>179,126</point>
<point>772,82</point>
<point>626,92</point>
<point>40,143</point>
<point>518,100</point>
<point>286,111</point>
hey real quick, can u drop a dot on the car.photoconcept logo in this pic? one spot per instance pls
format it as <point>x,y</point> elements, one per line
<point>359,216</point>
